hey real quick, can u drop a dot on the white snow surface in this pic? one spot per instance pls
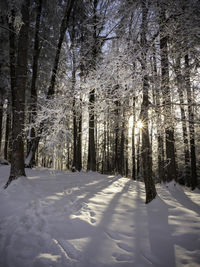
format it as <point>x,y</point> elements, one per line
<point>61,219</point>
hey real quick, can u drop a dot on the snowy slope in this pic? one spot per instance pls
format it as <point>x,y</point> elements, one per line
<point>54,218</point>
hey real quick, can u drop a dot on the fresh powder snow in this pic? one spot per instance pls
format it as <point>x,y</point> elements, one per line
<point>62,219</point>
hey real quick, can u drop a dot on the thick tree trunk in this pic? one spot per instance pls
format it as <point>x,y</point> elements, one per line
<point>169,129</point>
<point>191,124</point>
<point>91,145</point>
<point>146,146</point>
<point>179,79</point>
<point>18,98</point>
<point>12,58</point>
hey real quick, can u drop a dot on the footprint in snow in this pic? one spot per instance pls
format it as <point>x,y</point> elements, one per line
<point>79,207</point>
<point>92,220</point>
<point>122,257</point>
<point>125,247</point>
<point>68,249</point>
<point>127,234</point>
<point>113,235</point>
<point>92,214</point>
<point>68,192</point>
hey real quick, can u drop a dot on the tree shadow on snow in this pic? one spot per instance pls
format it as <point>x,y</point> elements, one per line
<point>160,234</point>
<point>184,200</point>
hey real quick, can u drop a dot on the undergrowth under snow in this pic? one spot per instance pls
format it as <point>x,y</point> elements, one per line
<point>61,219</point>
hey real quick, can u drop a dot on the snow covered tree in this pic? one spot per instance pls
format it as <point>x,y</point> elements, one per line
<point>51,88</point>
<point>95,70</point>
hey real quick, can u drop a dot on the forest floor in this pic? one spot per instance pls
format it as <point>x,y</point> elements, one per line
<point>62,219</point>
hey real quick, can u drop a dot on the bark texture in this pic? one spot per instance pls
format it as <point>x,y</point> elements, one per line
<point>18,96</point>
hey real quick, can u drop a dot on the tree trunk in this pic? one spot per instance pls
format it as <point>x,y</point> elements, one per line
<point>122,148</point>
<point>116,153</point>
<point>12,58</point>
<point>18,98</point>
<point>108,156</point>
<point>138,157</point>
<point>33,105</point>
<point>79,141</point>
<point>91,144</point>
<point>133,143</point>
<point>146,146</point>
<point>169,129</point>
<point>1,118</point>
<point>179,79</point>
<point>191,124</point>
<point>103,166</point>
<point>7,146</point>
<point>126,154</point>
<point>74,161</point>
<point>160,160</point>
<point>79,138</point>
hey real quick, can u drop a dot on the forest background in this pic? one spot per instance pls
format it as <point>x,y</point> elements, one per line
<point>100,85</point>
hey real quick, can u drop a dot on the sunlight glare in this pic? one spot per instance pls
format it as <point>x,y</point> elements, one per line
<point>139,124</point>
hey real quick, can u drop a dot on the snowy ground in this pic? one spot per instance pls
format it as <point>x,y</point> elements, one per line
<point>54,218</point>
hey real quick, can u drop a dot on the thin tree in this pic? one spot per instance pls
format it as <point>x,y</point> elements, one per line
<point>1,117</point>
<point>33,105</point>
